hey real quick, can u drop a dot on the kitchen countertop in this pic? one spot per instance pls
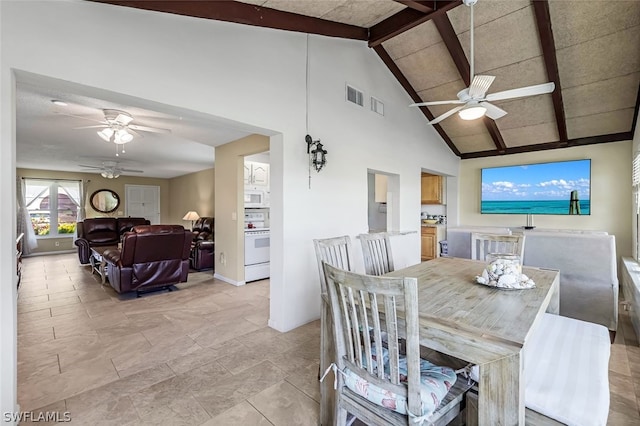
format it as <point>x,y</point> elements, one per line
<point>434,225</point>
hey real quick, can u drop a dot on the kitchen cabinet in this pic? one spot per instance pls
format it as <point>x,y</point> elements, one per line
<point>428,242</point>
<point>380,188</point>
<point>431,189</point>
<point>256,175</point>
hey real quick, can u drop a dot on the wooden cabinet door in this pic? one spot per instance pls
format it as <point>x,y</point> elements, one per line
<point>428,243</point>
<point>431,189</point>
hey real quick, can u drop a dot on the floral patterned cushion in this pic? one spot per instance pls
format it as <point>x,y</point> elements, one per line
<point>435,380</point>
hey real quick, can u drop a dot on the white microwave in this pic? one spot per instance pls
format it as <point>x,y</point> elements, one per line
<point>256,198</point>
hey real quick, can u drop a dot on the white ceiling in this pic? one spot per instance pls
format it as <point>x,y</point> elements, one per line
<point>46,138</point>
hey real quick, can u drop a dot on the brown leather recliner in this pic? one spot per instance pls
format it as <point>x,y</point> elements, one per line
<point>202,248</point>
<point>151,257</point>
<point>102,231</point>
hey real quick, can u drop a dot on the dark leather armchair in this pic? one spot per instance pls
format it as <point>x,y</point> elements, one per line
<point>102,231</point>
<point>152,257</point>
<point>202,248</point>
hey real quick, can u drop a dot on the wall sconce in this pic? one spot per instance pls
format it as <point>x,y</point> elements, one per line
<point>317,156</point>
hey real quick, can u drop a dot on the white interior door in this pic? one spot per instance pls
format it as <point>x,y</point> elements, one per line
<point>143,201</point>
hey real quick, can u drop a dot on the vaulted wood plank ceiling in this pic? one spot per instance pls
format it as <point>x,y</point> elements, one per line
<point>590,49</point>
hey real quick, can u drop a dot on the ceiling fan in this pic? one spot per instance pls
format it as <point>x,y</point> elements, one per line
<point>474,99</point>
<point>117,127</point>
<point>111,169</point>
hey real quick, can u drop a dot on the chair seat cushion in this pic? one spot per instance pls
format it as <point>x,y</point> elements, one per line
<point>566,365</point>
<point>435,381</point>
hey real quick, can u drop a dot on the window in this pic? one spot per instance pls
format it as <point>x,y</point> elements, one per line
<point>53,206</point>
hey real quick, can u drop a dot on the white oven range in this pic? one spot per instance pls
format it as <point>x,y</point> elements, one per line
<point>256,254</point>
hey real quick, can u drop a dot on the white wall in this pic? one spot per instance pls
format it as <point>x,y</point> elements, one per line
<point>634,205</point>
<point>247,75</point>
<point>610,191</point>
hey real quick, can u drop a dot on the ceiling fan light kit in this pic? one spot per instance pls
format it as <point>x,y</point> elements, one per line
<point>472,112</point>
<point>117,128</point>
<point>110,175</point>
<point>474,99</point>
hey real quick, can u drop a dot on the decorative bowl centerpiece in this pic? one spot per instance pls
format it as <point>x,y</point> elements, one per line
<point>504,271</point>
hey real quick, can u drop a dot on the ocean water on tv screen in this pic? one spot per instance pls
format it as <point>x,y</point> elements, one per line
<point>532,207</point>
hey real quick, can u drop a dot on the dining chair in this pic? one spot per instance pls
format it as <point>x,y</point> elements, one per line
<point>482,244</point>
<point>337,252</point>
<point>375,382</point>
<point>376,251</point>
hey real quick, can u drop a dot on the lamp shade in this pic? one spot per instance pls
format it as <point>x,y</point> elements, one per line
<point>106,134</point>
<point>191,215</point>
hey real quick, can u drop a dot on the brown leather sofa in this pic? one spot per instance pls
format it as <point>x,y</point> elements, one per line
<point>103,231</point>
<point>152,257</point>
<point>202,247</point>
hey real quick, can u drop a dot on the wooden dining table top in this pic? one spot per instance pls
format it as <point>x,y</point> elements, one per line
<point>497,321</point>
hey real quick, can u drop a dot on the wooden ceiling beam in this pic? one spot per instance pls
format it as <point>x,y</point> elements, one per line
<point>388,61</point>
<point>405,20</point>
<point>448,34</point>
<point>248,14</point>
<point>543,21</point>
<point>420,6</point>
<point>591,140</point>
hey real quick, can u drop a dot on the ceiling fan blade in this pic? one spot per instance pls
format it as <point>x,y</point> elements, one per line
<point>538,89</point>
<point>123,119</point>
<point>148,129</point>
<point>90,167</point>
<point>81,117</point>
<point>457,101</point>
<point>493,111</point>
<point>91,127</point>
<point>446,114</point>
<point>480,85</point>
<point>130,170</point>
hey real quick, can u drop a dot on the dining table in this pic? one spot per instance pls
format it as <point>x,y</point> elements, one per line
<point>482,325</point>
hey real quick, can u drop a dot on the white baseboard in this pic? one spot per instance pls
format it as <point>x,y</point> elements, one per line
<point>228,280</point>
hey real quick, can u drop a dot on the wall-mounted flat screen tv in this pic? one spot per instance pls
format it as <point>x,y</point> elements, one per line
<point>561,188</point>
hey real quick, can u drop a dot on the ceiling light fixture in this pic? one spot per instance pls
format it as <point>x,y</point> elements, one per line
<point>472,112</point>
<point>58,102</point>
<point>110,174</point>
<point>117,134</point>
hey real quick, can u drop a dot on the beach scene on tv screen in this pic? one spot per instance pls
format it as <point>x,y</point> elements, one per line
<point>545,188</point>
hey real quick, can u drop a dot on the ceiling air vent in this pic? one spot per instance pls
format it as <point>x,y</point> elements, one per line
<point>355,96</point>
<point>377,106</point>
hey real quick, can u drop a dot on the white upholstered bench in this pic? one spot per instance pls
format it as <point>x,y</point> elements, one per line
<point>566,367</point>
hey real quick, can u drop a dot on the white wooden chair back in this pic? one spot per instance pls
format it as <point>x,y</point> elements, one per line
<point>364,302</point>
<point>336,252</point>
<point>376,252</point>
<point>483,244</point>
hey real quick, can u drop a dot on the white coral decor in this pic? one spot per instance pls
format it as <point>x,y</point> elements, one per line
<point>505,273</point>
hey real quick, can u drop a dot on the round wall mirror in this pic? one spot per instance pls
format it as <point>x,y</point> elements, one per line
<point>104,200</point>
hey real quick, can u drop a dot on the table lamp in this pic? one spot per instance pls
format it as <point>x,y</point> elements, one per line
<point>192,216</point>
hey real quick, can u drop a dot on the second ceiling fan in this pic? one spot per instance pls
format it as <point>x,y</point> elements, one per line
<point>474,100</point>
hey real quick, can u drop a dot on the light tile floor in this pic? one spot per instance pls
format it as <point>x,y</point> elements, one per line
<point>200,355</point>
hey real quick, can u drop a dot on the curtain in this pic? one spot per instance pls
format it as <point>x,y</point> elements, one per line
<point>23,219</point>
